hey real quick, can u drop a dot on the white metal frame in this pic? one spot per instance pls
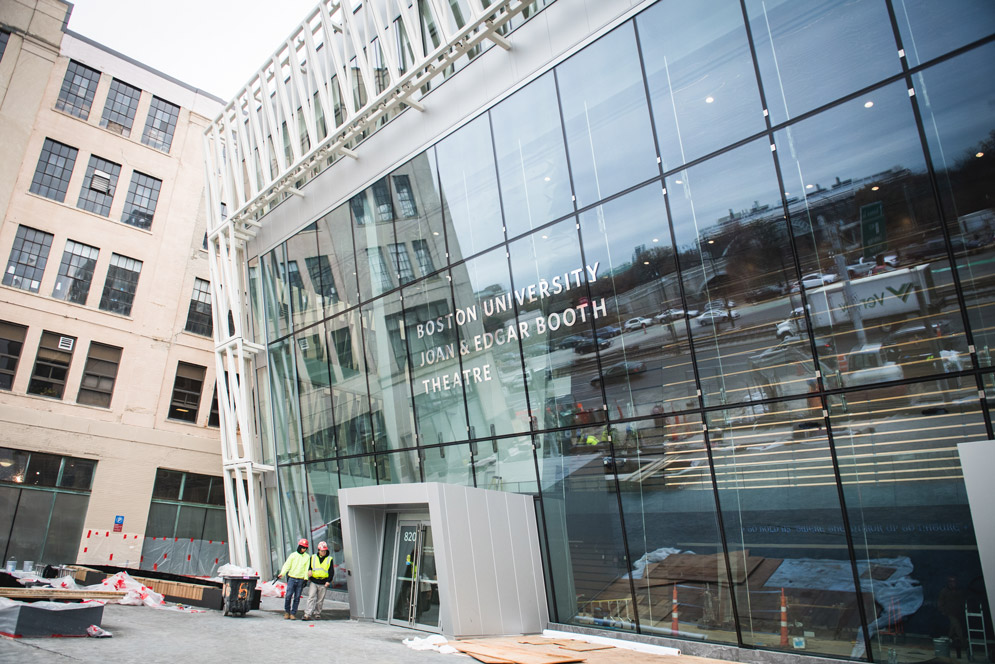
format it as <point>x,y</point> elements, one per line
<point>331,54</point>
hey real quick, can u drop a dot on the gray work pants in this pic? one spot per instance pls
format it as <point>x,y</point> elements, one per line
<point>315,599</point>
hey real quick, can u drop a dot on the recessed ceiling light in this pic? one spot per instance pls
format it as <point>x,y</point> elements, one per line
<point>979,155</point>
<point>646,262</point>
<point>809,186</point>
<point>875,188</point>
<point>709,99</point>
<point>544,237</point>
<point>546,178</point>
<point>435,232</point>
<point>868,104</point>
<point>679,181</point>
<point>656,239</point>
<point>711,242</point>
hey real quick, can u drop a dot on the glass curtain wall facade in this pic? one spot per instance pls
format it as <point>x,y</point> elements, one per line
<point>716,290</point>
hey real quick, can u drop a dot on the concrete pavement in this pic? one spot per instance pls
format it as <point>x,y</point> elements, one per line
<point>153,636</point>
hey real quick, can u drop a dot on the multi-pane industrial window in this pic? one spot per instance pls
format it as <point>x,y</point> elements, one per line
<point>99,185</point>
<point>381,196</point>
<point>360,209</point>
<point>75,272</point>
<point>99,375</point>
<point>160,124</point>
<point>143,194</point>
<point>188,487</point>
<point>405,272</point>
<point>11,343</point>
<point>321,276</point>
<point>37,469</point>
<point>214,419</point>
<point>119,111</point>
<point>28,257</point>
<point>423,256</point>
<point>186,392</point>
<point>4,36</point>
<point>199,315</point>
<point>78,87</point>
<point>120,285</point>
<point>55,167</point>
<point>405,196</point>
<point>378,268</point>
<point>51,365</point>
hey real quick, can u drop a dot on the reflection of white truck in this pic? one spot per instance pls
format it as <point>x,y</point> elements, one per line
<point>889,294</point>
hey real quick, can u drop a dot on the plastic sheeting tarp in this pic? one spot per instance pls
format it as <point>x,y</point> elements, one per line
<point>179,555</point>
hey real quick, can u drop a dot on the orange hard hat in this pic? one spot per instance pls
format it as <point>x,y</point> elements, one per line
<point>302,542</point>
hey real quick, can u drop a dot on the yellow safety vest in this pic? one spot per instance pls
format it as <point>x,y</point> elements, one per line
<point>319,569</point>
<point>296,565</point>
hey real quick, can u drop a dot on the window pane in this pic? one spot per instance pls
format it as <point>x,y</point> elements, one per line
<point>11,344</point>
<point>76,94</point>
<point>167,484</point>
<point>423,227</point>
<point>15,463</point>
<point>811,52</point>
<point>75,272</point>
<point>99,185</point>
<point>196,488</point>
<point>97,385</point>
<point>28,257</point>
<point>160,124</point>
<point>120,285</point>
<point>51,365</point>
<point>350,394</point>
<point>647,369</point>
<point>374,231</point>
<point>43,469</point>
<point>77,473</point>
<point>283,395</point>
<point>119,110</point>
<point>909,517</point>
<point>388,373</point>
<point>306,306</point>
<point>732,245</point>
<point>65,528</point>
<point>143,194</point>
<point>603,98</point>
<point>779,502</point>
<point>162,520</point>
<point>929,30</point>
<point>187,388</point>
<point>30,525</point>
<point>314,391</point>
<point>469,190</point>
<point>701,78</point>
<point>199,319</point>
<point>55,167</point>
<point>532,162</point>
<point>335,247</point>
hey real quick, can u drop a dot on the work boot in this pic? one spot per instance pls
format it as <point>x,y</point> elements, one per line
<point>293,616</point>
<point>286,616</point>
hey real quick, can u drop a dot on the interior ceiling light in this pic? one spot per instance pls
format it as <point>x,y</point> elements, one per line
<point>875,188</point>
<point>979,155</point>
<point>868,104</point>
<point>709,99</point>
<point>656,239</point>
<point>809,186</point>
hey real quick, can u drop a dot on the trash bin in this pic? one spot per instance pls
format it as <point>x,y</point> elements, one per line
<point>237,593</point>
<point>941,646</point>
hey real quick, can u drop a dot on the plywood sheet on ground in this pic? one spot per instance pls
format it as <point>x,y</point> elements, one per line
<point>685,567</point>
<point>610,655</point>
<point>513,652</point>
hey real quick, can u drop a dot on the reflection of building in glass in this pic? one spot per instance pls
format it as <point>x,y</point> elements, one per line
<point>730,350</point>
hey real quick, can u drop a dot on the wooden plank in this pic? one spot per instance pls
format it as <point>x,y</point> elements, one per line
<point>513,654</point>
<point>59,594</point>
<point>581,646</point>
<point>538,641</point>
<point>486,659</point>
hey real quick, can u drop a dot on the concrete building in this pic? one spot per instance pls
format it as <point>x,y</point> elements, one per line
<point>109,429</point>
<point>711,283</point>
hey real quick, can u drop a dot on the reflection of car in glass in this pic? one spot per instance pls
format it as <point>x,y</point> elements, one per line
<point>571,341</point>
<point>867,364</point>
<point>637,323</point>
<point>588,345</point>
<point>608,331</point>
<point>863,266</point>
<point>719,304</point>
<point>765,293</point>
<point>619,371</point>
<point>818,279</point>
<point>675,314</point>
<point>716,316</point>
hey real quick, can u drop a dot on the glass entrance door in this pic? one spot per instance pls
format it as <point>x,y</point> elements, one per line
<point>414,586</point>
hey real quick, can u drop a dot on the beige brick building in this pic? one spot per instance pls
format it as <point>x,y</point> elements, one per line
<point>108,424</point>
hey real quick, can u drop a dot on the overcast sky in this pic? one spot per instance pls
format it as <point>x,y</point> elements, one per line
<point>215,45</point>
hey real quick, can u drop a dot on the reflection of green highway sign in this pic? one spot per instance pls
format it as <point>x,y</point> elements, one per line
<point>872,228</point>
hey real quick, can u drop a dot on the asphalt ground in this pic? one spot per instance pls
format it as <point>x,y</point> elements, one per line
<point>151,636</point>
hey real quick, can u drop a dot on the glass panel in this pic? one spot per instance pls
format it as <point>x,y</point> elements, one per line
<point>397,467</point>
<point>43,469</point>
<point>336,248</point>
<point>585,532</point>
<point>13,463</point>
<point>701,79</point>
<point>196,488</point>
<point>8,508</point>
<point>431,334</point>
<point>373,223</point>
<point>532,163</point>
<point>489,346</point>
<point>350,398</point>
<point>929,30</point>
<point>27,535</point>
<point>419,224</point>
<point>427,602</point>
<point>811,52</point>
<point>470,191</point>
<point>648,367</point>
<point>293,506</point>
<point>553,304</point>
<point>404,573</point>
<point>276,295</point>
<point>507,464</point>
<point>305,304</point>
<point>388,372</point>
<point>162,520</point>
<point>784,528</point>
<point>603,99</point>
<point>870,238</point>
<point>77,473</point>
<point>190,523</point>
<point>168,484</point>
<point>284,399</point>
<point>65,529</point>
<point>449,464</point>
<point>909,517</point>
<point>315,392</point>
<point>323,488</point>
<point>955,99</point>
<point>735,257</point>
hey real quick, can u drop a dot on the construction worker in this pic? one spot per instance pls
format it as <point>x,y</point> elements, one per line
<point>296,569</point>
<point>321,565</point>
